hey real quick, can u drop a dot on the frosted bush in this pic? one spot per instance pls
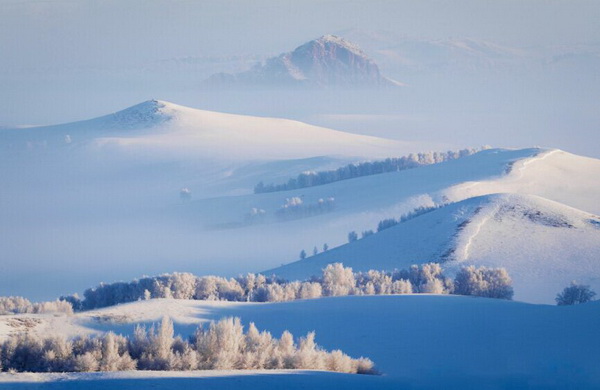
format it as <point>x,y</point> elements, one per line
<point>483,282</point>
<point>222,345</point>
<point>402,287</point>
<point>575,294</point>
<point>20,305</point>
<point>338,280</point>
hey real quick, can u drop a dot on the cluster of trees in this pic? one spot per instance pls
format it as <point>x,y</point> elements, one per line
<point>20,305</point>
<point>250,287</point>
<point>389,222</point>
<point>335,280</point>
<point>575,294</point>
<point>350,171</point>
<point>483,282</point>
<point>296,208</point>
<point>315,251</point>
<point>223,345</point>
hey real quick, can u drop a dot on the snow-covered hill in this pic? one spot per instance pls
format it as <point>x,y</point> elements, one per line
<point>544,245</point>
<point>91,195</point>
<point>119,218</point>
<point>417,341</point>
<point>158,127</point>
<point>328,61</point>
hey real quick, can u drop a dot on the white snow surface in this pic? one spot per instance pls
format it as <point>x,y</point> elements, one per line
<point>99,199</point>
<point>416,341</point>
<point>544,245</point>
<point>159,127</point>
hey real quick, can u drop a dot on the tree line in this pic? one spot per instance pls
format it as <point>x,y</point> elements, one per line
<point>223,345</point>
<point>367,168</point>
<point>335,280</point>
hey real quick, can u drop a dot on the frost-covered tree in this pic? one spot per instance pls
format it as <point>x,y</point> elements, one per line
<point>433,286</point>
<point>20,305</point>
<point>220,346</point>
<point>223,345</point>
<point>114,356</point>
<point>259,348</point>
<point>426,278</point>
<point>386,224</point>
<point>575,294</point>
<point>85,363</point>
<point>308,355</point>
<point>339,362</point>
<point>401,287</point>
<point>338,280</point>
<point>182,285</point>
<point>312,178</point>
<point>309,290</point>
<point>325,247</point>
<point>366,233</point>
<point>284,352</point>
<point>352,236</point>
<point>483,282</point>
<point>302,254</point>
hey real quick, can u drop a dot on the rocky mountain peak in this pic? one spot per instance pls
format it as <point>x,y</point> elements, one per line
<point>328,61</point>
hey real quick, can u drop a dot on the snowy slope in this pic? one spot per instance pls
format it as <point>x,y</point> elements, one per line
<point>553,174</point>
<point>157,126</point>
<point>127,221</point>
<point>544,245</point>
<point>417,341</point>
<point>550,173</point>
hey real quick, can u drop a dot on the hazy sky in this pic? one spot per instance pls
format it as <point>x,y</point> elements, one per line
<point>96,33</point>
<point>67,60</point>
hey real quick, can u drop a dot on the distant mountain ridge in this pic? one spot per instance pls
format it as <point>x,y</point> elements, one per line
<point>329,61</point>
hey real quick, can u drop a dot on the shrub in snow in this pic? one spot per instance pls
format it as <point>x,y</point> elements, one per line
<point>433,286</point>
<point>309,290</point>
<point>575,294</point>
<point>427,278</point>
<point>19,305</point>
<point>402,287</point>
<point>223,345</point>
<point>483,282</point>
<point>114,355</point>
<point>185,194</point>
